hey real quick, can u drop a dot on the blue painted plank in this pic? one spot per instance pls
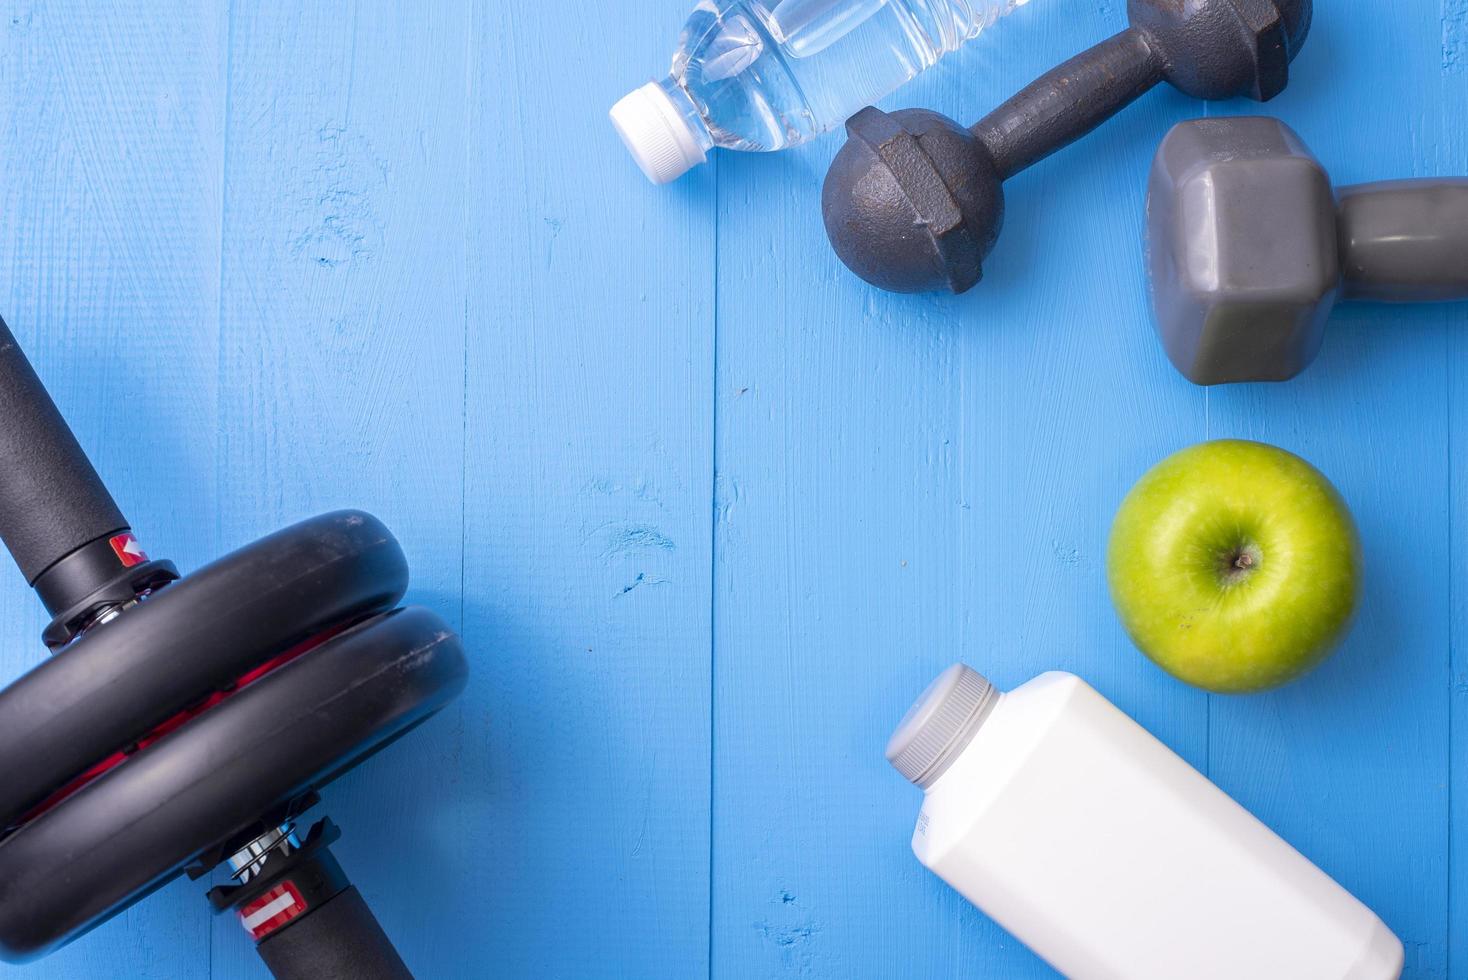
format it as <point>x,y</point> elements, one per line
<point>439,290</point>
<point>341,382</point>
<point>906,481</point>
<point>1447,151</point>
<point>909,481</point>
<point>1351,765</point>
<point>110,171</point>
<point>588,481</point>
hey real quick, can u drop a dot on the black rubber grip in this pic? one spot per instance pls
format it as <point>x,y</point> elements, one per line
<point>51,500</point>
<point>338,940</point>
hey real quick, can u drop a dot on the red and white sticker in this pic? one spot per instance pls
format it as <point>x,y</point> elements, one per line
<point>127,549</point>
<point>272,910</point>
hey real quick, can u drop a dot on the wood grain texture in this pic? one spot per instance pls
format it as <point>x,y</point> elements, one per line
<point>708,510</point>
<point>341,374</point>
<point>110,171</point>
<point>910,481</point>
<point>1446,151</point>
<point>588,461</point>
<point>1353,763</point>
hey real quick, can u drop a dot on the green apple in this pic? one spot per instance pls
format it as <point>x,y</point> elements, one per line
<point>1235,566</point>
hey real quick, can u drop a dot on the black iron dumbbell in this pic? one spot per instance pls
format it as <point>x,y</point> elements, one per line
<point>185,723</point>
<point>914,202</point>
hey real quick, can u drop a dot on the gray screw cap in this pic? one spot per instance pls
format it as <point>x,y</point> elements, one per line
<point>941,724</point>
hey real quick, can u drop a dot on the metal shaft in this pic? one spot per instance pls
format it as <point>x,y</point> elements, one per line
<point>1068,102</point>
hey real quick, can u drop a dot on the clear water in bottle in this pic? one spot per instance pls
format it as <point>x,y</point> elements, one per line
<point>767,74</point>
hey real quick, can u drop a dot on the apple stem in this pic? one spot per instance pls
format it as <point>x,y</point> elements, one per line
<point>1238,563</point>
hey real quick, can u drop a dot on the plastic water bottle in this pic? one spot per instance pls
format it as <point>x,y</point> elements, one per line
<point>1107,854</point>
<point>767,74</point>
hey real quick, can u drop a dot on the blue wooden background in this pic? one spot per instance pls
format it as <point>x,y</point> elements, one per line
<point>708,510</point>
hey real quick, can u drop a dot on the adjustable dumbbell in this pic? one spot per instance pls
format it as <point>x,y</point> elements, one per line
<point>914,202</point>
<point>184,723</point>
<point>1249,248</point>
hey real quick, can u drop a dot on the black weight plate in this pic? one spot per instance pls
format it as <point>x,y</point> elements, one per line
<point>198,635</point>
<point>295,729</point>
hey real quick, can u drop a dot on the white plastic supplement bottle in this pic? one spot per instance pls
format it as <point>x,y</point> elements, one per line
<point>1107,854</point>
<point>767,74</point>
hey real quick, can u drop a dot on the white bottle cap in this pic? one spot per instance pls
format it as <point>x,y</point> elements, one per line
<point>940,724</point>
<point>662,142</point>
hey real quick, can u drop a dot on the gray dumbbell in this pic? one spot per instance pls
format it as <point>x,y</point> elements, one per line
<point>1249,248</point>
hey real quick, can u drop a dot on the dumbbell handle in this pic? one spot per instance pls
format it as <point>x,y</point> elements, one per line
<point>52,502</point>
<point>1405,240</point>
<point>1065,104</point>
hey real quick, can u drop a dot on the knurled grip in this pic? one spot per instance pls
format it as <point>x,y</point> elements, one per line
<point>339,940</point>
<point>51,500</point>
<point>1070,101</point>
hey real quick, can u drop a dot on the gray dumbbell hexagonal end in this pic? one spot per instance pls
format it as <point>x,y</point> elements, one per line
<point>1243,258</point>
